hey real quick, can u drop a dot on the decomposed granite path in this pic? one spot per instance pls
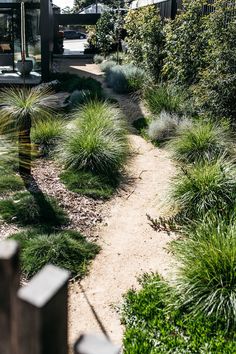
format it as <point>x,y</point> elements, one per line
<point>130,247</point>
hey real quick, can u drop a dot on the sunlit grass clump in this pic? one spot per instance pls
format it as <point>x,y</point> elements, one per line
<point>46,135</point>
<point>10,183</point>
<point>29,209</point>
<point>206,282</point>
<point>98,141</point>
<point>205,187</point>
<point>65,249</point>
<point>202,140</point>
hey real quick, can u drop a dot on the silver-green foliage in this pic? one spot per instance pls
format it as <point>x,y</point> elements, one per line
<point>98,141</point>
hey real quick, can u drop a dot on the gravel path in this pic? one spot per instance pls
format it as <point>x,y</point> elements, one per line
<point>130,247</point>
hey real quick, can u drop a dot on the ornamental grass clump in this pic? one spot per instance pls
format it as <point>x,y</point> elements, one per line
<point>205,186</point>
<point>206,282</point>
<point>125,78</point>
<point>65,249</point>
<point>47,134</point>
<point>166,98</point>
<point>202,140</point>
<point>98,142</point>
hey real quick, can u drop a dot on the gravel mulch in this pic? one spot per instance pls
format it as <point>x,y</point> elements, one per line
<point>84,213</point>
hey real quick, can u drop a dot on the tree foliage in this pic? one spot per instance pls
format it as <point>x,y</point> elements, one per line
<point>145,39</point>
<point>186,44</point>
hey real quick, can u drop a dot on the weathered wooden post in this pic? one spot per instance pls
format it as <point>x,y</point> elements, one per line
<point>91,344</point>
<point>9,284</point>
<point>42,313</point>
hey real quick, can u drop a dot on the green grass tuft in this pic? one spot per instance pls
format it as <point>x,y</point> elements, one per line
<point>28,209</point>
<point>89,184</point>
<point>204,187</point>
<point>65,249</point>
<point>98,142</point>
<point>206,282</point>
<point>46,135</point>
<point>202,140</point>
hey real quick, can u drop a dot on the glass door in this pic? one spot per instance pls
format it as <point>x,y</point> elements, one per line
<point>6,40</point>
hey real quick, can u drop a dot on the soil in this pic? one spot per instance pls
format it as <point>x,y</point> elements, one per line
<point>130,247</point>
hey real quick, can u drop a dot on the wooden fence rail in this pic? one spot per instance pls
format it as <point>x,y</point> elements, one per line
<point>33,319</point>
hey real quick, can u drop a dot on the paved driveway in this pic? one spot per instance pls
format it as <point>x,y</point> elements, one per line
<point>74,46</point>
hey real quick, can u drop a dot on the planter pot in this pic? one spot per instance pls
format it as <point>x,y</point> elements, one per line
<point>24,68</point>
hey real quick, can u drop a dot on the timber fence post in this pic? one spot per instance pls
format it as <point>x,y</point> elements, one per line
<point>42,323</point>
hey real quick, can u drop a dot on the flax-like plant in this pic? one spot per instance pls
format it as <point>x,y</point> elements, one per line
<point>18,109</point>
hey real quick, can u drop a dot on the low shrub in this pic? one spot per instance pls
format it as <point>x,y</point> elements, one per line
<point>204,187</point>
<point>65,249</point>
<point>206,282</point>
<point>47,134</point>
<point>98,143</point>
<point>89,184</point>
<point>71,82</point>
<point>10,183</point>
<point>153,326</point>
<point>26,209</point>
<point>202,140</point>
<point>98,59</point>
<point>166,98</point>
<point>125,78</point>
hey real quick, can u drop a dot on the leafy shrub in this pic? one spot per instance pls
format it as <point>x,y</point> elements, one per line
<point>106,32</point>
<point>26,209</point>
<point>46,135</point>
<point>217,88</point>
<point>10,183</point>
<point>125,78</point>
<point>186,43</point>
<point>71,82</point>
<point>99,141</point>
<point>202,140</point>
<point>89,184</point>
<point>145,40</point>
<point>98,59</point>
<point>205,186</point>
<point>152,326</point>
<point>66,249</point>
<point>206,282</point>
<point>165,98</point>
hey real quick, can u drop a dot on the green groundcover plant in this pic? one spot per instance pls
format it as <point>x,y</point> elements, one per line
<point>153,326</point>
<point>66,249</point>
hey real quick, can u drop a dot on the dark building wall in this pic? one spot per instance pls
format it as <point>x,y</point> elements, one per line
<point>46,29</point>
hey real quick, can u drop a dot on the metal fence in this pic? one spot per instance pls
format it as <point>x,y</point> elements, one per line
<point>33,318</point>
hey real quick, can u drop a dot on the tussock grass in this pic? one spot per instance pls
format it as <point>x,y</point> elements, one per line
<point>98,143</point>
<point>10,183</point>
<point>202,140</point>
<point>166,98</point>
<point>205,186</point>
<point>206,283</point>
<point>46,135</point>
<point>66,249</point>
<point>125,78</point>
